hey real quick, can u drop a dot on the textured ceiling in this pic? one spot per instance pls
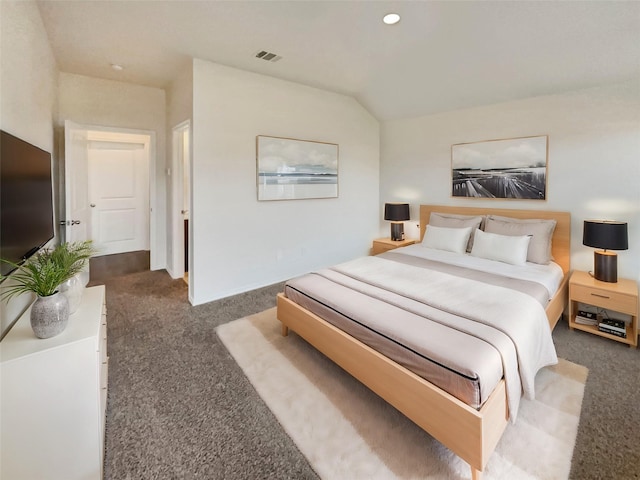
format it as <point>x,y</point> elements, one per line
<point>441,56</point>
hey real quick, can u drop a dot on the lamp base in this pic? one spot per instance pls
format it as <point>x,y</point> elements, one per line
<point>397,231</point>
<point>606,266</point>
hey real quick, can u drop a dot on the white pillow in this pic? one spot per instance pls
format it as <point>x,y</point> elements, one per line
<point>451,220</point>
<point>503,248</point>
<point>449,239</point>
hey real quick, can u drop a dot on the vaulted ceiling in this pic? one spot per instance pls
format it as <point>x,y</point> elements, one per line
<point>442,55</point>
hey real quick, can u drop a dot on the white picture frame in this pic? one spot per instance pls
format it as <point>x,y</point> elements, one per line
<point>290,169</point>
<point>513,168</point>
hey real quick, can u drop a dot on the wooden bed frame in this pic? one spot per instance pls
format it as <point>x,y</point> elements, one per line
<point>471,434</point>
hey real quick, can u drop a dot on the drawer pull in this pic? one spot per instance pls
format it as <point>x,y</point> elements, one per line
<point>601,296</point>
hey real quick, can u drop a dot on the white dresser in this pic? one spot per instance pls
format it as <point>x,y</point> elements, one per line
<point>53,395</point>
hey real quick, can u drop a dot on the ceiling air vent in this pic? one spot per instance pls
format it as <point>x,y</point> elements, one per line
<point>268,56</point>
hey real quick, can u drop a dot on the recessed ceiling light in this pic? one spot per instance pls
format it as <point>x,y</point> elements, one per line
<point>116,67</point>
<point>391,18</point>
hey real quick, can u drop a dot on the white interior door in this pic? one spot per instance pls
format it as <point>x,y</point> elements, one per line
<point>119,196</point>
<point>76,217</point>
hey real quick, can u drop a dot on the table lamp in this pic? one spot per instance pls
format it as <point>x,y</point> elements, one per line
<point>396,213</point>
<point>607,235</point>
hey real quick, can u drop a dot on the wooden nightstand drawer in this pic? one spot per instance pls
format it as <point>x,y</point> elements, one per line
<point>380,248</point>
<point>621,297</point>
<point>382,245</point>
<point>605,299</point>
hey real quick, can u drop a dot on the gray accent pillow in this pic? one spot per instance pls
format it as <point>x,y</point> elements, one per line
<point>452,220</point>
<point>540,230</point>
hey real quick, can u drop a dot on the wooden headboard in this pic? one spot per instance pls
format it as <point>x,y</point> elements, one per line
<point>561,241</point>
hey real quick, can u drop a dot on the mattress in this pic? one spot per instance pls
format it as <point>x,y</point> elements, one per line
<point>438,341</point>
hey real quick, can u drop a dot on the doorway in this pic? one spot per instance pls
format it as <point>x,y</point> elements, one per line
<point>181,201</point>
<point>109,194</point>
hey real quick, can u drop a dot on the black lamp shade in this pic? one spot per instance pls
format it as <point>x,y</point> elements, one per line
<point>605,234</point>
<point>608,236</point>
<point>396,212</point>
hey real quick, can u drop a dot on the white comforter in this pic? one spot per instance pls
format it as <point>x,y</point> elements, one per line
<point>550,275</point>
<point>516,314</point>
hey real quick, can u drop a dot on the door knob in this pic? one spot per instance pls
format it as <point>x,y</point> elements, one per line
<point>75,222</point>
<point>92,205</point>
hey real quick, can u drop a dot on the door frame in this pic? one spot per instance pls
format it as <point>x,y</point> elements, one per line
<point>99,132</point>
<point>176,260</point>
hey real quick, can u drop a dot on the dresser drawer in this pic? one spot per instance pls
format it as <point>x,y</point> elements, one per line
<point>605,299</point>
<point>104,375</point>
<point>102,340</point>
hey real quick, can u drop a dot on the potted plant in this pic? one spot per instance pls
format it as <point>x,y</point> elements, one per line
<point>43,274</point>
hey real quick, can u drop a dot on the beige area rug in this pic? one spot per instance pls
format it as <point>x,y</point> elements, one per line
<point>347,432</point>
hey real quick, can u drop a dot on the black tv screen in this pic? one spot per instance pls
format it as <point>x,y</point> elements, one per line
<point>26,200</point>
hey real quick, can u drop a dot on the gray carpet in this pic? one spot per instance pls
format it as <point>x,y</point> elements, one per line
<point>180,407</point>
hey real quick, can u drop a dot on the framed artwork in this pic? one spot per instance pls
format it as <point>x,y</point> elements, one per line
<point>290,169</point>
<point>510,168</point>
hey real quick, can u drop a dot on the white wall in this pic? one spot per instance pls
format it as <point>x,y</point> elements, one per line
<point>28,89</point>
<point>593,169</point>
<point>240,243</point>
<point>97,102</point>
<point>180,98</point>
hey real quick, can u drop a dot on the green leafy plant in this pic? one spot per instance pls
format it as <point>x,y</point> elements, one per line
<point>43,273</point>
<point>73,256</point>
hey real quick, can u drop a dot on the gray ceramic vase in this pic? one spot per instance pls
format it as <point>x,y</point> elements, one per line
<point>49,315</point>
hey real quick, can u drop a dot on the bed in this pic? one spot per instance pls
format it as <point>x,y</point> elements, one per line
<point>470,431</point>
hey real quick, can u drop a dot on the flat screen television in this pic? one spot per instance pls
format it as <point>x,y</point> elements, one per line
<point>26,200</point>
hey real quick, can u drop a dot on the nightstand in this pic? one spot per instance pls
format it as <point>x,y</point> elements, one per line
<point>619,297</point>
<point>382,245</point>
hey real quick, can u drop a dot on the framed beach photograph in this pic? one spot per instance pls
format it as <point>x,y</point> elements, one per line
<point>511,168</point>
<point>290,169</point>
